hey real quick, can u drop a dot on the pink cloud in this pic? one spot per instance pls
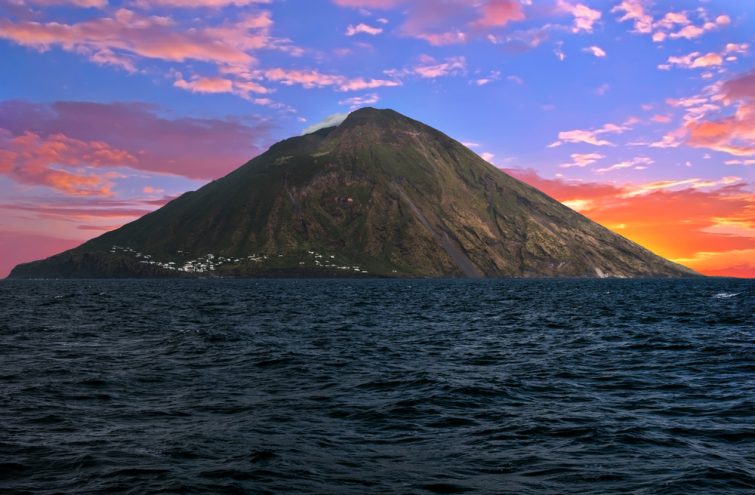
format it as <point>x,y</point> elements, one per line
<point>125,35</point>
<point>691,31</point>
<point>673,25</point>
<point>360,101</point>
<point>448,22</point>
<point>522,40</point>
<point>736,48</point>
<point>580,136</point>
<point>673,19</point>
<point>634,11</point>
<point>661,119</point>
<point>582,160</point>
<point>429,68</point>
<point>60,162</point>
<point>596,51</point>
<point>433,70</point>
<point>125,39</point>
<point>734,134</point>
<point>107,57</point>
<point>515,79</point>
<point>90,210</point>
<point>584,16</point>
<point>494,76</point>
<point>190,147</point>
<point>720,118</point>
<point>441,39</point>
<point>370,4</point>
<point>206,85</point>
<point>637,163</point>
<point>75,3</point>
<point>497,13</point>
<point>593,136</point>
<point>195,4</point>
<point>363,28</point>
<point>694,60</point>
<point>316,79</point>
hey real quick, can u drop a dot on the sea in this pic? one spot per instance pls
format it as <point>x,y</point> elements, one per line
<point>377,386</point>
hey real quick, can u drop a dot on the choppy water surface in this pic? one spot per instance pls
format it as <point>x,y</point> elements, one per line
<point>513,386</point>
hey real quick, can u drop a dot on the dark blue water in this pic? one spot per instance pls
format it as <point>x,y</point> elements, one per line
<point>513,386</point>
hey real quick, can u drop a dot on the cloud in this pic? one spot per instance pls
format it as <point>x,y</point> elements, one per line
<point>206,85</point>
<point>694,183</point>
<point>329,121</point>
<point>432,70</point>
<point>637,163</point>
<point>494,76</point>
<point>429,68</point>
<point>634,11</point>
<point>523,40</point>
<point>740,162</point>
<point>360,101</point>
<point>124,39</point>
<point>584,16</point>
<point>107,57</point>
<point>592,136</point>
<point>196,4</point>
<point>685,28</point>
<point>363,28</point>
<point>736,48</point>
<point>694,60</point>
<point>497,13</point>
<point>60,162</point>
<point>247,89</point>
<point>315,79</point>
<point>706,123</point>
<point>128,134</point>
<point>733,263</point>
<point>580,136</point>
<point>369,4</point>
<point>559,53</point>
<point>672,139</point>
<point>733,134</point>
<point>98,4</point>
<point>152,37</point>
<point>582,160</point>
<point>595,50</point>
<point>85,209</point>
<point>448,22</point>
<point>672,20</point>
<point>672,26</point>
<point>661,119</point>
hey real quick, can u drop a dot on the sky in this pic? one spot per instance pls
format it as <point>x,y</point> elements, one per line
<point>639,114</point>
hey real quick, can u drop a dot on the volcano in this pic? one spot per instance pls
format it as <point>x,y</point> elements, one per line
<point>380,195</point>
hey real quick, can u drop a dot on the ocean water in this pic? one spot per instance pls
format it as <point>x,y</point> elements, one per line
<point>378,386</point>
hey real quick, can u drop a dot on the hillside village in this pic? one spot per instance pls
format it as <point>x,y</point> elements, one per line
<point>210,263</point>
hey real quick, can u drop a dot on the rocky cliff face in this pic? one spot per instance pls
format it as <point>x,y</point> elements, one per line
<point>379,195</point>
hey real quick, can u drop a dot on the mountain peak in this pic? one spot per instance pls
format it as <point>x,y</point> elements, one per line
<point>378,116</point>
<point>379,195</point>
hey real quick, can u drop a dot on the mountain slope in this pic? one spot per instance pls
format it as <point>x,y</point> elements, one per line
<point>379,195</point>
